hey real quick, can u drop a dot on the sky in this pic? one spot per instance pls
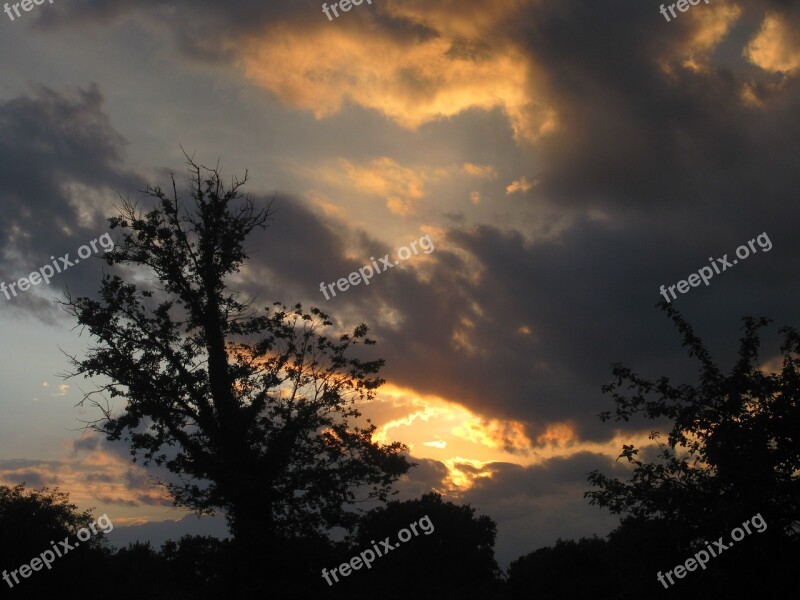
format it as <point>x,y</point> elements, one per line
<point>565,158</point>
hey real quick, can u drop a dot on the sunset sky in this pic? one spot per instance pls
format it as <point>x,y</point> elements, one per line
<point>566,158</point>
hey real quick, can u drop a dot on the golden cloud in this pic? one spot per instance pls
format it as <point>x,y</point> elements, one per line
<point>467,443</point>
<point>557,434</point>
<point>520,185</point>
<point>463,472</point>
<point>410,80</point>
<point>776,47</point>
<point>483,171</point>
<point>436,444</point>
<point>702,31</point>
<point>402,187</point>
<point>90,477</point>
<point>459,19</point>
<point>509,436</point>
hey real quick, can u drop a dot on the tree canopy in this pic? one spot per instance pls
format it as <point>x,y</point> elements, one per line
<point>732,452</point>
<point>253,409</point>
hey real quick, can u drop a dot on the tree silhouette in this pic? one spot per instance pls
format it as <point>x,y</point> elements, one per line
<point>253,410</point>
<point>30,521</point>
<point>455,560</point>
<point>733,451</point>
<point>550,571</point>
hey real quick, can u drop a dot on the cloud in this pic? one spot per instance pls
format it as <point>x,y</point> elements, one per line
<point>776,47</point>
<point>100,477</point>
<point>402,187</point>
<point>436,444</point>
<point>481,171</point>
<point>51,145</point>
<point>520,185</point>
<point>413,62</point>
<point>533,506</point>
<point>87,441</point>
<point>31,478</point>
<point>117,501</point>
<point>428,475</point>
<point>411,81</point>
<point>96,471</point>
<point>698,36</point>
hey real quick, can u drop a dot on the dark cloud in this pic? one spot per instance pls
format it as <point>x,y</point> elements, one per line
<point>32,479</point>
<point>21,463</point>
<point>33,473</point>
<point>659,171</point>
<point>99,478</point>
<point>86,442</point>
<point>426,476</point>
<point>150,501</point>
<point>534,506</point>
<point>588,298</point>
<point>49,143</point>
<point>201,30</point>
<point>118,501</point>
<point>634,138</point>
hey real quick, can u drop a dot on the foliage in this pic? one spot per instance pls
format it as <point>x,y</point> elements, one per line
<point>253,410</point>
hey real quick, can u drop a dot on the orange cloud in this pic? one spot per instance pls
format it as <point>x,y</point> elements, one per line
<point>776,47</point>
<point>702,31</point>
<point>463,472</point>
<point>467,444</point>
<point>520,185</point>
<point>91,476</point>
<point>385,176</point>
<point>436,444</point>
<point>483,171</point>
<point>557,434</point>
<point>402,187</point>
<point>460,19</point>
<point>493,433</point>
<point>408,79</point>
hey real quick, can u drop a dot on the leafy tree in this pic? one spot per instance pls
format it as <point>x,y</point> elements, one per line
<point>254,410</point>
<point>733,451</point>
<point>138,562</point>
<point>197,563</point>
<point>455,560</point>
<point>197,567</point>
<point>30,521</point>
<point>550,571</point>
<point>32,514</point>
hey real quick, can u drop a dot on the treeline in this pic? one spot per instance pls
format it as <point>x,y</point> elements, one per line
<point>455,561</point>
